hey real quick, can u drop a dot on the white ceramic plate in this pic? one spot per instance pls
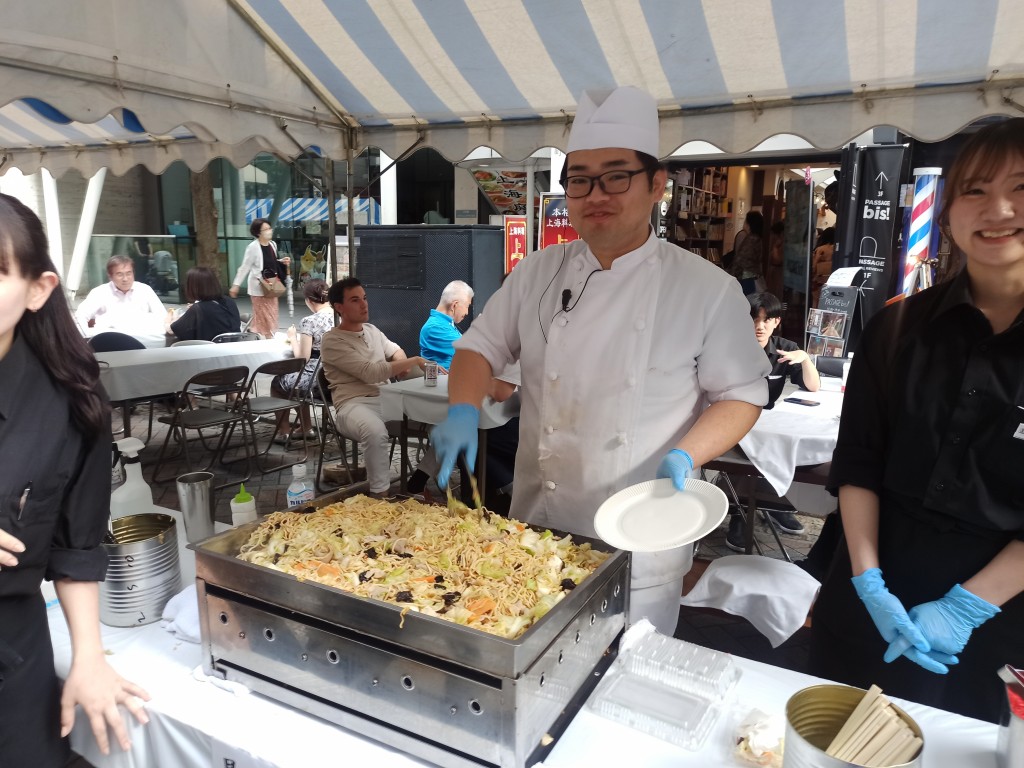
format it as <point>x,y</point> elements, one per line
<point>654,516</point>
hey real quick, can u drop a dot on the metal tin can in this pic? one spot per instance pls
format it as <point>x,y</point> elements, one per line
<point>430,374</point>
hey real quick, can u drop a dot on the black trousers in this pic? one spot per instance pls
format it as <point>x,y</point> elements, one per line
<point>919,563</point>
<point>29,688</point>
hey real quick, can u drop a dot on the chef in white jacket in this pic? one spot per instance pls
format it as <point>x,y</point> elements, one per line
<point>637,358</point>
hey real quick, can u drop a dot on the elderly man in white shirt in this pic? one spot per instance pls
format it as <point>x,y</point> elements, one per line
<point>123,305</point>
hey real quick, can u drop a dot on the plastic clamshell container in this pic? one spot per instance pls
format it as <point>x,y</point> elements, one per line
<point>667,688</point>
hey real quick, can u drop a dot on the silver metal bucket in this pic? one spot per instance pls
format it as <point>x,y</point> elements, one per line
<point>143,571</point>
<point>813,718</point>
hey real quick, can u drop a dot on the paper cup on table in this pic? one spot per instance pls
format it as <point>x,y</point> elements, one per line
<point>815,715</point>
<point>195,496</point>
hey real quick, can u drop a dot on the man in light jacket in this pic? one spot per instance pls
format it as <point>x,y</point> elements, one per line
<point>637,358</point>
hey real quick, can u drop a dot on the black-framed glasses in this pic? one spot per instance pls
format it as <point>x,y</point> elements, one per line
<point>611,183</point>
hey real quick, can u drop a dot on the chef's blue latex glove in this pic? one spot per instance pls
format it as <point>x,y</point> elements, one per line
<point>887,611</point>
<point>678,465</point>
<point>946,624</point>
<point>456,434</point>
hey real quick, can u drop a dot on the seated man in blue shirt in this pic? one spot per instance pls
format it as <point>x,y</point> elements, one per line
<point>437,337</point>
<point>787,359</point>
<point>439,333</point>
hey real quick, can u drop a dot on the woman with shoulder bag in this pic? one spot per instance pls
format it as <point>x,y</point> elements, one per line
<point>267,274</point>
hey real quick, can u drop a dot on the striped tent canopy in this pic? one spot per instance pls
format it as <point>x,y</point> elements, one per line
<point>230,78</point>
<point>309,209</point>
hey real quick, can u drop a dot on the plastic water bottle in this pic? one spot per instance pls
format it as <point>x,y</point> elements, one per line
<point>846,370</point>
<point>301,491</point>
<point>243,507</point>
<point>134,497</point>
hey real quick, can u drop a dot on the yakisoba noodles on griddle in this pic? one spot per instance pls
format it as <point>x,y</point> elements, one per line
<point>471,567</point>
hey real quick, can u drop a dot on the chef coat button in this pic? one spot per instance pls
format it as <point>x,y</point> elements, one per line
<point>954,439</point>
<point>550,485</point>
<point>983,347</point>
<point>639,324</point>
<point>631,381</point>
<point>972,392</point>
<point>621,437</point>
<point>940,486</point>
<point>563,321</point>
<point>553,375</point>
<point>549,429</point>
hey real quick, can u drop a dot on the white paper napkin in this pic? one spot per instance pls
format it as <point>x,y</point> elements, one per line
<point>773,595</point>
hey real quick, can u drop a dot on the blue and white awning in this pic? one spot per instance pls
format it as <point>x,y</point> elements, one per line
<point>309,209</point>
<point>282,75</point>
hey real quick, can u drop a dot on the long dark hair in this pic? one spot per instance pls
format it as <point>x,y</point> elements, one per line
<point>201,284</point>
<point>50,332</point>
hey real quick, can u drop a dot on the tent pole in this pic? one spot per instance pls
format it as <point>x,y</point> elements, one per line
<point>51,208</point>
<point>332,222</point>
<point>89,206</point>
<point>351,228</point>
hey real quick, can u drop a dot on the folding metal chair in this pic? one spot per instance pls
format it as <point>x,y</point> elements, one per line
<point>319,398</point>
<point>224,338</point>
<point>734,464</point>
<point>224,416</point>
<point>262,405</point>
<point>112,341</point>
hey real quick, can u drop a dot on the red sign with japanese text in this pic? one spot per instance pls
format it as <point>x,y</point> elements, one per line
<point>515,241</point>
<point>555,227</point>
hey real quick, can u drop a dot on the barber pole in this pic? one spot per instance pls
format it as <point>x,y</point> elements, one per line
<point>922,225</point>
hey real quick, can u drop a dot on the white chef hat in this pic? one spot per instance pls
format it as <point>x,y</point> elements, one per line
<point>626,117</point>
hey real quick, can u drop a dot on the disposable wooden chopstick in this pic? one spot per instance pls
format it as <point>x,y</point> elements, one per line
<point>874,721</point>
<point>880,740</point>
<point>909,751</point>
<point>886,756</point>
<point>874,734</point>
<point>853,721</point>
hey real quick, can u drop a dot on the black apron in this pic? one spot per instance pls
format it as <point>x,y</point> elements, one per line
<point>29,687</point>
<point>920,563</point>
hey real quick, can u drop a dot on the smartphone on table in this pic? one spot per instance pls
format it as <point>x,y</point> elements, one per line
<point>801,401</point>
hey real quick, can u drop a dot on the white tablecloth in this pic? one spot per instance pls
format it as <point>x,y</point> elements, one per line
<point>429,405</point>
<point>195,723</point>
<point>142,373</point>
<point>791,435</point>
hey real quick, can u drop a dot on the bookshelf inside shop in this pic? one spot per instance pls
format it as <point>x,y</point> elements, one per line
<point>699,207</point>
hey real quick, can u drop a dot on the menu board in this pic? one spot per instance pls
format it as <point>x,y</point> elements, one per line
<point>504,188</point>
<point>834,327</point>
<point>826,333</point>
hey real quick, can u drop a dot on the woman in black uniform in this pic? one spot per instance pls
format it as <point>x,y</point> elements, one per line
<point>54,505</point>
<point>930,464</point>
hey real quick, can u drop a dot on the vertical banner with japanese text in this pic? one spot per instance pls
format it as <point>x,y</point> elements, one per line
<point>515,241</point>
<point>554,222</point>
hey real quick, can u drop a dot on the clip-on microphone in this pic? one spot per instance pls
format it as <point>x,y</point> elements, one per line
<point>566,295</point>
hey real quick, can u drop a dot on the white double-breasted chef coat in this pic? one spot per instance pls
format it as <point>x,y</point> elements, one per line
<point>613,383</point>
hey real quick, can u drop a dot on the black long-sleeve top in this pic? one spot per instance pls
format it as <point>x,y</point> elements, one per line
<point>933,417</point>
<point>795,371</point>
<point>65,514</point>
<point>206,319</point>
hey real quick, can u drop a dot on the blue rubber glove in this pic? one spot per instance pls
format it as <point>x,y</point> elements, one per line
<point>887,611</point>
<point>678,465</point>
<point>455,435</point>
<point>947,624</point>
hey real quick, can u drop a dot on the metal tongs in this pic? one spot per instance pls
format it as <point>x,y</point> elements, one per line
<point>453,505</point>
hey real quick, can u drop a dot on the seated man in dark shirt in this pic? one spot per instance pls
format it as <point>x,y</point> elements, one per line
<point>787,360</point>
<point>786,356</point>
